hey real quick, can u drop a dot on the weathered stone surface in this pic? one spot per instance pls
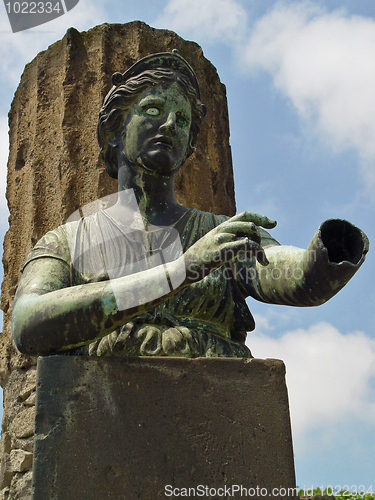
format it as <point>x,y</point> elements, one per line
<point>21,460</point>
<point>20,488</point>
<point>54,168</point>
<point>26,444</point>
<point>23,424</point>
<point>17,438</point>
<point>16,461</point>
<point>4,494</point>
<point>28,385</point>
<point>6,473</point>
<point>135,425</point>
<point>21,384</point>
<point>5,443</point>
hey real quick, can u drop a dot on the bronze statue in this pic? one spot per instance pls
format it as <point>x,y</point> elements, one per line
<point>85,287</point>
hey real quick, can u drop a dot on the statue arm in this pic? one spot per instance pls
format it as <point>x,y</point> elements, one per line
<point>310,277</point>
<point>50,315</point>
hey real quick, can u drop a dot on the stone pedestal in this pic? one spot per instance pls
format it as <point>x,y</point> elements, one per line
<point>137,428</point>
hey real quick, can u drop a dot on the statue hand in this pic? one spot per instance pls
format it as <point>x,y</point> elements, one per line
<point>232,238</point>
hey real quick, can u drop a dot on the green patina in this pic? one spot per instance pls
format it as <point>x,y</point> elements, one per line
<point>85,288</point>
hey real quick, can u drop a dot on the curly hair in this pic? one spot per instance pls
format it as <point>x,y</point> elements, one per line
<point>119,100</point>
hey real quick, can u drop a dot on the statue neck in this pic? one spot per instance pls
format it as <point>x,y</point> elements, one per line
<point>154,195</point>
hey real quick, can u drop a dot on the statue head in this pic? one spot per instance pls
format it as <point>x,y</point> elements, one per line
<point>154,70</point>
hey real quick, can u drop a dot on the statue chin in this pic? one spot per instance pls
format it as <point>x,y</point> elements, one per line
<point>161,162</point>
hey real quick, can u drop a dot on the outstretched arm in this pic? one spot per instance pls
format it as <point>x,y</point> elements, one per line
<point>310,277</point>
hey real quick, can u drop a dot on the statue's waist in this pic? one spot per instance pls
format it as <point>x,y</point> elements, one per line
<point>169,336</point>
<point>168,320</point>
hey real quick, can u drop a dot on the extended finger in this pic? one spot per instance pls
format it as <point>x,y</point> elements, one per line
<point>251,248</point>
<point>241,229</point>
<point>224,237</point>
<point>259,220</point>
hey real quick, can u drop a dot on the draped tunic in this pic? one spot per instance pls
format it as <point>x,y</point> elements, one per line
<point>207,318</point>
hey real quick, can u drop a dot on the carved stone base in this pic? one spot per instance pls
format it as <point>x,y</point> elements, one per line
<point>136,428</point>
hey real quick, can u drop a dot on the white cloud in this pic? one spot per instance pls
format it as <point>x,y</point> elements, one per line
<point>329,374</point>
<point>20,48</point>
<point>324,63</point>
<point>264,203</point>
<point>263,324</point>
<point>211,20</point>
<point>274,319</point>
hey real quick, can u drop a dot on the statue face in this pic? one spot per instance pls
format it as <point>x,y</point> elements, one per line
<point>156,132</point>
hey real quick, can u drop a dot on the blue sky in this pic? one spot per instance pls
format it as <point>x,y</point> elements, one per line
<point>300,79</point>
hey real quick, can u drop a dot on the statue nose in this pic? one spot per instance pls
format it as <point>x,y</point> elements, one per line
<point>169,124</point>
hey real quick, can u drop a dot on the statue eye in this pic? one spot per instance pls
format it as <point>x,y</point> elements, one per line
<point>182,121</point>
<point>153,111</point>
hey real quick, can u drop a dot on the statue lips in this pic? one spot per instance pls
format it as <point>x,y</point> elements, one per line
<point>164,142</point>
